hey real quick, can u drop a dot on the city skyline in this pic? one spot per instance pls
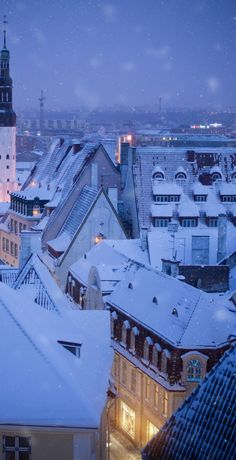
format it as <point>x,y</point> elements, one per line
<point>97,53</point>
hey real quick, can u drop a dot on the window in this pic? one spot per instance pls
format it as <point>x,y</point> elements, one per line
<point>156,350</point>
<point>12,248</point>
<point>133,385</point>
<point>165,404</point>
<point>36,210</point>
<point>123,372</point>
<point>125,327</point>
<point>73,347</point>
<point>156,396</point>
<point>158,175</point>
<point>213,222</point>
<point>15,227</point>
<point>128,419</point>
<point>189,222</point>
<point>4,244</point>
<point>200,197</point>
<point>147,388</point>
<point>7,157</point>
<point>113,320</point>
<point>133,333</point>
<point>16,448</point>
<point>180,176</point>
<point>194,371</point>
<point>16,251</point>
<point>146,348</point>
<point>216,176</point>
<point>151,430</point>
<point>7,166</point>
<point>157,222</point>
<point>7,246</point>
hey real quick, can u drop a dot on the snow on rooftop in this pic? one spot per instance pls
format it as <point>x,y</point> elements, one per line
<point>201,322</point>
<point>53,387</point>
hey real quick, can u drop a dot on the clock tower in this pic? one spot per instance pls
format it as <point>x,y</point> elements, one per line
<point>7,126</point>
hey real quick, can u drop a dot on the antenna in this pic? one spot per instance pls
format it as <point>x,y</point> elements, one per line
<point>41,109</point>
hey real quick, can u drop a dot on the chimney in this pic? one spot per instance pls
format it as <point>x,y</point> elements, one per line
<point>30,242</point>
<point>144,238</point>
<point>170,267</point>
<point>222,228</point>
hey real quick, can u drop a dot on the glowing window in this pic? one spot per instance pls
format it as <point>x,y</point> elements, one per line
<point>194,371</point>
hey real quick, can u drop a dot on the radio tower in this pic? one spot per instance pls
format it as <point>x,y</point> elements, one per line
<point>41,107</point>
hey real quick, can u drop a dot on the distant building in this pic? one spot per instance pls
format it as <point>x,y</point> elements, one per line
<point>7,128</point>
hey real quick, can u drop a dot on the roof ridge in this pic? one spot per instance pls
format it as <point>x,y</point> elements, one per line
<point>190,317</point>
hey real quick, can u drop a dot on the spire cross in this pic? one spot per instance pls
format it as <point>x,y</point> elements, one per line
<point>4,31</point>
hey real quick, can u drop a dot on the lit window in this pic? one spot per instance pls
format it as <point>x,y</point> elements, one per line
<point>147,389</point>
<point>156,396</point>
<point>165,404</point>
<point>73,347</point>
<point>151,430</point>
<point>16,448</point>
<point>128,419</point>
<point>36,210</point>
<point>194,371</point>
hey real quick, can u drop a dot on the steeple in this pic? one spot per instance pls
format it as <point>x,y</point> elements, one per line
<point>7,115</point>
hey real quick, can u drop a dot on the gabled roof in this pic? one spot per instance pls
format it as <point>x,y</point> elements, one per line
<point>204,427</point>
<point>67,238</point>
<point>36,281</point>
<point>53,387</point>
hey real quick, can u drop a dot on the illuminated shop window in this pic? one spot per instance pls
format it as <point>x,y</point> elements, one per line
<point>128,419</point>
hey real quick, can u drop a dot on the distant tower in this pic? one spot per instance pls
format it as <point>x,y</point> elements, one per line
<point>7,126</point>
<point>41,109</point>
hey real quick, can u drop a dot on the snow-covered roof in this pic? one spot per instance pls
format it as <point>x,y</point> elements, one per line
<point>53,387</point>
<point>199,189</point>
<point>228,189</point>
<point>34,192</point>
<point>74,219</point>
<point>205,424</point>
<point>166,188</point>
<point>112,259</point>
<point>35,280</point>
<point>202,322</point>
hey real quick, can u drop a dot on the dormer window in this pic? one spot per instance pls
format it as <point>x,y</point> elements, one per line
<point>180,176</point>
<point>73,347</point>
<point>194,371</point>
<point>158,175</point>
<point>148,342</point>
<point>36,210</point>
<point>125,328</point>
<point>216,176</point>
<point>133,334</point>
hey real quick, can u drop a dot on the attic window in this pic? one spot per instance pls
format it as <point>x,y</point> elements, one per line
<point>73,347</point>
<point>154,300</point>
<point>130,286</point>
<point>175,312</point>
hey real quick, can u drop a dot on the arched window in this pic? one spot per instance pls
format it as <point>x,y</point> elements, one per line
<point>158,175</point>
<point>155,354</point>
<point>164,357</point>
<point>146,348</point>
<point>125,328</point>
<point>133,334</point>
<point>216,176</point>
<point>113,320</point>
<point>194,371</point>
<point>180,176</point>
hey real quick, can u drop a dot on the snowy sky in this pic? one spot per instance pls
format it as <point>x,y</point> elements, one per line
<point>91,52</point>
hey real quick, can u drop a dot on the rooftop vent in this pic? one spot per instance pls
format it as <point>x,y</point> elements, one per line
<point>175,312</point>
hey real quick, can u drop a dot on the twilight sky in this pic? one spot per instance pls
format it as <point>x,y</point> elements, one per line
<point>91,52</point>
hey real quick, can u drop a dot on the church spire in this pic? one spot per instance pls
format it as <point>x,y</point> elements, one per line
<point>7,115</point>
<point>4,32</point>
